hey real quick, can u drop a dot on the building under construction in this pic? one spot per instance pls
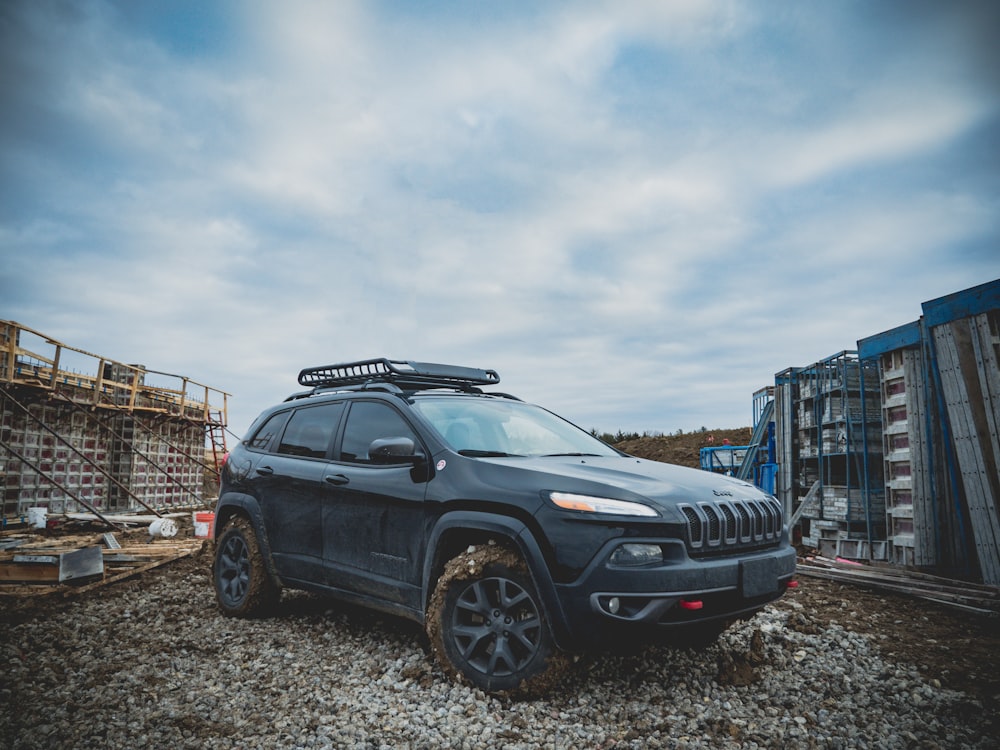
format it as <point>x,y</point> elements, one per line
<point>891,452</point>
<point>83,433</point>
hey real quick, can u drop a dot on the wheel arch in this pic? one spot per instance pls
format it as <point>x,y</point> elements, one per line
<point>234,504</point>
<point>455,532</point>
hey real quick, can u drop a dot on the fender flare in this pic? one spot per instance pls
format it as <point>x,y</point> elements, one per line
<point>521,537</point>
<point>238,503</point>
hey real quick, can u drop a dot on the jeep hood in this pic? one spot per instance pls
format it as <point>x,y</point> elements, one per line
<point>628,478</point>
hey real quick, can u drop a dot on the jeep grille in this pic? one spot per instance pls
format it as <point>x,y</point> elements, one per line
<point>723,525</point>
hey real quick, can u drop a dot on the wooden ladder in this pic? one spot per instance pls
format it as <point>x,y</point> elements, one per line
<point>217,437</point>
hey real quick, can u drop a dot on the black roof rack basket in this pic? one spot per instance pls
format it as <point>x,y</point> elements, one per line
<point>402,373</point>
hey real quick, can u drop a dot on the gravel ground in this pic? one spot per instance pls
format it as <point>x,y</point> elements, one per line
<point>151,662</point>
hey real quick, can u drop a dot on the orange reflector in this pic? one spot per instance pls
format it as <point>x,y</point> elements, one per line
<point>570,504</point>
<point>691,604</point>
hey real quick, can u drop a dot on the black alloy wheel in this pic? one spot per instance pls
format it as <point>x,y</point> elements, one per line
<point>243,586</point>
<point>487,625</point>
<point>234,571</point>
<point>496,627</point>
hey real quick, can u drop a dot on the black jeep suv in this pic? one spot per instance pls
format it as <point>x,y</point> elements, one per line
<point>513,536</point>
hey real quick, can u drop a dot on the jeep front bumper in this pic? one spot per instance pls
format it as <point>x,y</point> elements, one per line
<point>678,591</point>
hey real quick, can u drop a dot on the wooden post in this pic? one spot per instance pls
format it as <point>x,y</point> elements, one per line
<point>135,387</point>
<point>55,366</point>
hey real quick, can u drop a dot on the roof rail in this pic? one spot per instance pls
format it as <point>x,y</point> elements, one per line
<point>401,373</point>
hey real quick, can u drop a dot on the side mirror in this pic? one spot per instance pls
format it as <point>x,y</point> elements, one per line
<point>393,450</point>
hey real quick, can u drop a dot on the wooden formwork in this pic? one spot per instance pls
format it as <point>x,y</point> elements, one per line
<point>109,437</point>
<point>940,401</point>
<point>785,486</point>
<point>967,355</point>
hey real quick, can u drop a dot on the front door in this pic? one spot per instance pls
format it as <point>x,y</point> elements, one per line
<point>373,516</point>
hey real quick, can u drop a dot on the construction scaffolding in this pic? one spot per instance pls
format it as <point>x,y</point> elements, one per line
<point>892,452</point>
<point>81,432</point>
<point>941,410</point>
<point>828,439</point>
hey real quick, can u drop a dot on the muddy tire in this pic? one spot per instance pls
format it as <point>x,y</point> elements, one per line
<point>487,626</point>
<point>243,586</point>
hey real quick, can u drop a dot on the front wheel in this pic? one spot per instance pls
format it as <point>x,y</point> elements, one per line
<point>486,624</point>
<point>243,586</point>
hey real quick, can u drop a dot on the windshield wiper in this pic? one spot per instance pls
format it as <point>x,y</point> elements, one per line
<point>550,455</point>
<point>471,452</point>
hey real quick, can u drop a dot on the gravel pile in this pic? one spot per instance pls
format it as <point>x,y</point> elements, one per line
<point>152,663</point>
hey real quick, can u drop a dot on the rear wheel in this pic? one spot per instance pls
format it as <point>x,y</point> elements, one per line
<point>486,624</point>
<point>243,587</point>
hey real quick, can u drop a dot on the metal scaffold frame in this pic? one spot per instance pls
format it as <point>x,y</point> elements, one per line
<point>81,431</point>
<point>829,421</point>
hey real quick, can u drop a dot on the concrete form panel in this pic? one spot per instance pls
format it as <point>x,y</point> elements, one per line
<point>925,523</point>
<point>967,418</point>
<point>986,344</point>
<point>161,464</point>
<point>785,431</point>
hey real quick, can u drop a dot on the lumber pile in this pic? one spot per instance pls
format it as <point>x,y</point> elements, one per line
<point>962,595</point>
<point>33,565</point>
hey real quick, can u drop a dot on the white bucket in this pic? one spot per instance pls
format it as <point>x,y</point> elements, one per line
<point>203,523</point>
<point>36,517</point>
<point>165,527</point>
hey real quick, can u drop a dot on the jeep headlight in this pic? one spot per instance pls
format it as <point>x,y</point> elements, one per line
<point>590,504</point>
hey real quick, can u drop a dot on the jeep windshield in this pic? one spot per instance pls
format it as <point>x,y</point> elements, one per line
<point>492,428</point>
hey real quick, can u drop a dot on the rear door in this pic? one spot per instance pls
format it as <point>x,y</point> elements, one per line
<point>289,481</point>
<point>373,518</point>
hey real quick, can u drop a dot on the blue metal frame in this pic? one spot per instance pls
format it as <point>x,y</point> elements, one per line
<point>831,379</point>
<point>721,459</point>
<point>964,304</point>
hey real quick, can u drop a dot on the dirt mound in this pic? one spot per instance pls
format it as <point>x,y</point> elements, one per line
<point>683,449</point>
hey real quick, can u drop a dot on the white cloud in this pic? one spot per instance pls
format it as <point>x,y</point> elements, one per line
<point>891,127</point>
<point>637,213</point>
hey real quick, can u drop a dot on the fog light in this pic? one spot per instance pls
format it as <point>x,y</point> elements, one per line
<point>614,604</point>
<point>636,554</point>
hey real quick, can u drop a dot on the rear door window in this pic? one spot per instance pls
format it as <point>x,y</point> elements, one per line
<point>310,430</point>
<point>264,437</point>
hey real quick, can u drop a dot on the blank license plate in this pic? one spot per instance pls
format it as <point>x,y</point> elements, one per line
<point>759,577</point>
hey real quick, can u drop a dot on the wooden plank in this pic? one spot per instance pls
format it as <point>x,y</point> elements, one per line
<point>958,596</point>
<point>67,564</point>
<point>985,345</point>
<point>962,429</point>
<point>29,589</point>
<point>39,579</point>
<point>28,571</point>
<point>126,574</point>
<point>949,340</point>
<point>927,581</point>
<point>133,518</point>
<point>784,422</point>
<point>811,496</point>
<point>925,525</point>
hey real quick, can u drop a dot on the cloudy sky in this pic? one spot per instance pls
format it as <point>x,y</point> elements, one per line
<point>637,212</point>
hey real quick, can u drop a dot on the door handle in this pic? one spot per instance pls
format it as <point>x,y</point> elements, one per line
<point>337,479</point>
<point>265,470</point>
